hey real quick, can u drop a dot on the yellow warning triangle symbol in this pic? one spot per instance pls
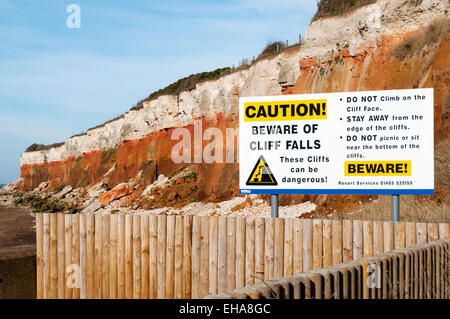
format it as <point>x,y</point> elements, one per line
<point>261,174</point>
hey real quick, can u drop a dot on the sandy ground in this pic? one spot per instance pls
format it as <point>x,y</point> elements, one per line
<point>17,227</point>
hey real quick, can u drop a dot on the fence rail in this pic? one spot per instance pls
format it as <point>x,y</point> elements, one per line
<point>418,272</point>
<point>150,256</point>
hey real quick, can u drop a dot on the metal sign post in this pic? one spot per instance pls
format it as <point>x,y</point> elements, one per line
<point>395,208</point>
<point>274,205</point>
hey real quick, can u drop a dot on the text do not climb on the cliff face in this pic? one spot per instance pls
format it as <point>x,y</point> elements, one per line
<point>373,142</point>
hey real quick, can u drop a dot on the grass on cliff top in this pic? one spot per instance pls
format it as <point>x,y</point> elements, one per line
<point>42,147</point>
<point>328,8</point>
<point>187,84</point>
<point>426,37</point>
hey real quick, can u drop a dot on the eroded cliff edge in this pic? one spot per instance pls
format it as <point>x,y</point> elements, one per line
<point>384,45</point>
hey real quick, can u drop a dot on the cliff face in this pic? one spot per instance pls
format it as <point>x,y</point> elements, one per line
<point>386,45</point>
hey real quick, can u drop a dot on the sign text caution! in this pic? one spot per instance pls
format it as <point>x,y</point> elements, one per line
<point>285,110</point>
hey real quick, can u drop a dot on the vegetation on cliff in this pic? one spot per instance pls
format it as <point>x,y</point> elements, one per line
<point>41,147</point>
<point>327,8</point>
<point>272,47</point>
<point>422,40</point>
<point>43,204</point>
<point>187,84</point>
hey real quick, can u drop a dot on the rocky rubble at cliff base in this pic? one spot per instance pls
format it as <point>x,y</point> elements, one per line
<point>241,206</point>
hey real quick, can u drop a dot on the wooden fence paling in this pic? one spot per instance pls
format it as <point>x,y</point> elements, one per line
<point>240,252</point>
<point>121,257</point>
<point>153,247</point>
<point>113,234</point>
<point>162,230</point>
<point>278,248</point>
<point>416,276</point>
<point>298,246</point>
<point>307,245</point>
<point>410,234</point>
<point>327,243</point>
<point>421,229</point>
<point>347,241</point>
<point>145,276</point>
<point>137,285</point>
<point>222,254</point>
<point>40,256</point>
<point>428,274</point>
<point>368,238</point>
<point>420,272</point>
<point>67,254</point>
<point>128,256</point>
<point>388,233</point>
<point>46,248</point>
<point>357,239</point>
<point>179,229</point>
<point>170,257</point>
<point>61,257</point>
<point>269,238</point>
<point>444,231</point>
<point>83,255</point>
<point>259,250</point>
<point>187,256</point>
<point>378,245</point>
<point>250,251</point>
<point>53,254</point>
<point>317,243</point>
<point>76,249</point>
<point>231,253</point>
<point>336,229</point>
<point>213,254</point>
<point>204,256</point>
<point>113,257</point>
<point>433,232</point>
<point>105,256</point>
<point>433,235</point>
<point>288,262</point>
<point>196,229</point>
<point>400,238</point>
<point>90,265</point>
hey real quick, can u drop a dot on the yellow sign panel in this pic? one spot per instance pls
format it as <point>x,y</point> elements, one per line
<point>377,168</point>
<point>261,174</point>
<point>285,110</point>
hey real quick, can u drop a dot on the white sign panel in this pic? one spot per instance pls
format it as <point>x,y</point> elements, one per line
<point>374,142</point>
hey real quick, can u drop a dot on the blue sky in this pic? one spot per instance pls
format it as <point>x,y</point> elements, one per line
<point>56,82</point>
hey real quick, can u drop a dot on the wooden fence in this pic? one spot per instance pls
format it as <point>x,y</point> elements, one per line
<point>418,272</point>
<point>149,256</point>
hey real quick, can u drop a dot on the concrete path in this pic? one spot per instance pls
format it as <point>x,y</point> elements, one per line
<point>16,228</point>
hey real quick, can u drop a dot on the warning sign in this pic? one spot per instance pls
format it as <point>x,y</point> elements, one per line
<point>374,142</point>
<point>261,174</point>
